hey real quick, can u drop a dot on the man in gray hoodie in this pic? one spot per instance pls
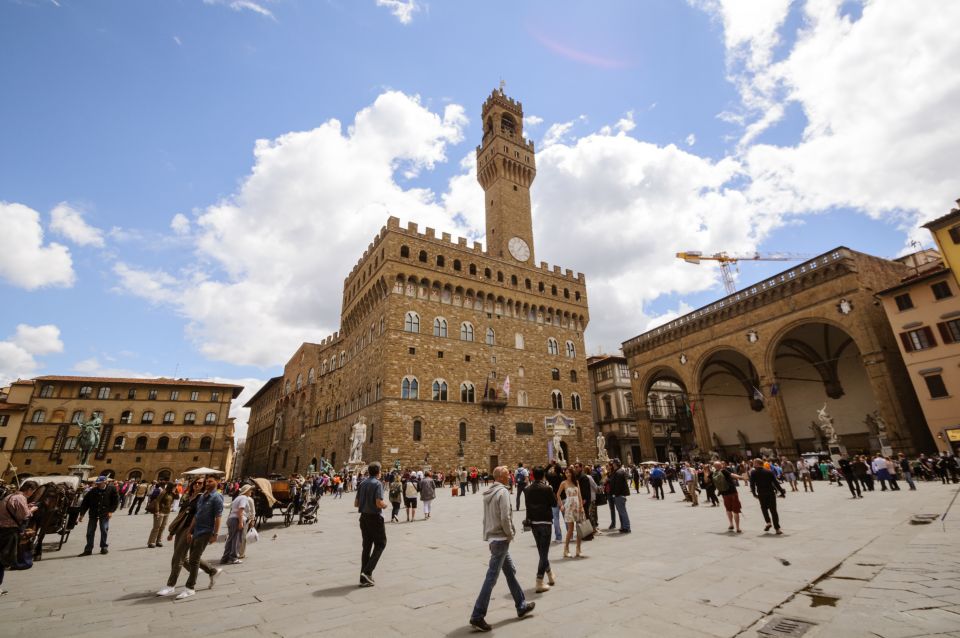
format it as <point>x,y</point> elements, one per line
<point>498,529</point>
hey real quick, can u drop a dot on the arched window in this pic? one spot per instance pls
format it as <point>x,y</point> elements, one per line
<point>555,374</point>
<point>552,346</point>
<point>311,376</point>
<point>417,430</point>
<point>571,350</point>
<point>78,416</point>
<point>163,442</point>
<point>404,251</point>
<point>147,417</point>
<point>456,264</point>
<point>575,401</point>
<point>316,418</point>
<point>439,327</point>
<point>140,443</point>
<point>104,392</point>
<point>573,376</point>
<point>85,392</point>
<point>46,391</point>
<point>323,367</point>
<point>190,418</point>
<point>211,418</point>
<point>39,416</point>
<point>411,322</point>
<point>169,417</point>
<point>463,431</point>
<point>466,331</point>
<point>30,443</point>
<point>409,388</point>
<point>299,381</point>
<point>126,416</point>
<point>493,434</point>
<point>556,399</point>
<point>343,355</point>
<point>518,341</point>
<point>491,337</point>
<point>440,261</point>
<point>422,256</point>
<point>499,276</point>
<point>135,474</point>
<point>467,393</point>
<point>286,386</point>
<point>70,443</point>
<point>527,284</point>
<point>184,443</point>
<point>566,293</point>
<point>513,280</point>
<point>118,442</point>
<point>628,399</point>
<point>439,390</point>
<point>487,273</point>
<point>522,399</point>
<point>670,402</point>
<point>473,269</point>
<point>553,290</point>
<point>607,406</point>
<point>520,371</point>
<point>205,443</point>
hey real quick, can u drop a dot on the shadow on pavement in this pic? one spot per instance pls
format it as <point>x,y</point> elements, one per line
<point>335,591</point>
<point>468,630</point>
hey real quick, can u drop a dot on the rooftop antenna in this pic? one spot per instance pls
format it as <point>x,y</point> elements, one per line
<point>176,369</point>
<point>503,85</point>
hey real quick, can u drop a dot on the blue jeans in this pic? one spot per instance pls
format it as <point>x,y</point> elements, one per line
<point>557,533</point>
<point>92,531</point>
<point>908,477</point>
<point>621,503</point>
<point>499,560</point>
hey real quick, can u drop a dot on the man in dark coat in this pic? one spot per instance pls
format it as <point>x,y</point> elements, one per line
<point>102,501</point>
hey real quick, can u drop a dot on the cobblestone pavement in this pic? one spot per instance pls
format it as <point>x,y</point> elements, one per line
<point>855,568</point>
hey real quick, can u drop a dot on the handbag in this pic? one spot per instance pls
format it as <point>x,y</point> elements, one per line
<point>585,528</point>
<point>153,506</point>
<point>253,535</point>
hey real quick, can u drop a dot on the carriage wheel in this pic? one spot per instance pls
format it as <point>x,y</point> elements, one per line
<point>288,516</point>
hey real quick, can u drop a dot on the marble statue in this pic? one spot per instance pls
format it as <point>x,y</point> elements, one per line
<point>826,425</point>
<point>881,423</point>
<point>557,450</point>
<point>602,448</point>
<point>89,437</point>
<point>357,436</point>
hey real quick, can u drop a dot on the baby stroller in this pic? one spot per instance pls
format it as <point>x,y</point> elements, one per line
<point>308,513</point>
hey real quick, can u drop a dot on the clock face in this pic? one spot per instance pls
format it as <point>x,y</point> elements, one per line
<point>519,249</point>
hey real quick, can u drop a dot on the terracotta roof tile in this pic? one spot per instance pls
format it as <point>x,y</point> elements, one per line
<point>237,389</point>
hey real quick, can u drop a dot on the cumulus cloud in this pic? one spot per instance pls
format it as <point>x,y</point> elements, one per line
<point>19,351</point>
<point>532,120</point>
<point>68,222</point>
<point>691,139</point>
<point>25,261</point>
<point>330,188</point>
<point>402,10</point>
<point>180,224</point>
<point>556,133</point>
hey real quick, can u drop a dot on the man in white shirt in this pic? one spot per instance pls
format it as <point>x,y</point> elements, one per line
<point>690,480</point>
<point>236,527</point>
<point>879,467</point>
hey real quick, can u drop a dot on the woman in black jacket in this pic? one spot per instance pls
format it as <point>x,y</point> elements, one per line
<point>540,502</point>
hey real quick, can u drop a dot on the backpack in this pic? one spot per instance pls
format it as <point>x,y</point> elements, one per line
<point>395,491</point>
<point>720,481</point>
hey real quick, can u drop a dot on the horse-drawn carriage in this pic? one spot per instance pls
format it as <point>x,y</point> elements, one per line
<point>269,495</point>
<point>57,504</point>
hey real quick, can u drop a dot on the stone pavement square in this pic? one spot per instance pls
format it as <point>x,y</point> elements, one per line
<point>853,567</point>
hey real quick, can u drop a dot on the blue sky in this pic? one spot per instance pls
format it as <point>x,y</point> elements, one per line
<point>134,198</point>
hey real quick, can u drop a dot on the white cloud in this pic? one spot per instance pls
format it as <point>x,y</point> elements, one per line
<point>18,352</point>
<point>24,259</point>
<point>177,40</point>
<point>244,5</point>
<point>180,224</point>
<point>402,10</point>
<point>329,188</point>
<point>532,120</point>
<point>691,139</point>
<point>556,133</point>
<point>68,222</point>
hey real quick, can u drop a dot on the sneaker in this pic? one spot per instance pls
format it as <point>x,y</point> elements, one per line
<point>526,610</point>
<point>213,577</point>
<point>236,561</point>
<point>480,624</point>
<point>159,544</point>
<point>104,551</point>
<point>166,591</point>
<point>367,578</point>
<point>766,527</point>
<point>186,593</point>
<point>150,546</point>
<point>84,553</point>
<point>365,583</point>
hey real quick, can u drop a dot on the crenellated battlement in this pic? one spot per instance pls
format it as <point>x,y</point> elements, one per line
<point>499,98</point>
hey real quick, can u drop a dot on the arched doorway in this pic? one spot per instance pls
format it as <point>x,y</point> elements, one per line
<point>817,364</point>
<point>135,474</point>
<point>731,398</point>
<point>164,475</point>
<point>668,409</point>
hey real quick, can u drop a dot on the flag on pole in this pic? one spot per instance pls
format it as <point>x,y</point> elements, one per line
<point>506,386</point>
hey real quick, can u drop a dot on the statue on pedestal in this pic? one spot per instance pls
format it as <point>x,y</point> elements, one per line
<point>826,426</point>
<point>557,450</point>
<point>89,437</point>
<point>602,448</point>
<point>357,437</point>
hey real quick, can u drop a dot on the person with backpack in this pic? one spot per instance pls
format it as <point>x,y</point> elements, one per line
<point>15,509</point>
<point>410,493</point>
<point>520,476</point>
<point>764,487</point>
<point>657,475</point>
<point>396,497</point>
<point>724,479</point>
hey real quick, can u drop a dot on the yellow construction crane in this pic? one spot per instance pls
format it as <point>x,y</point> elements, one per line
<point>728,263</point>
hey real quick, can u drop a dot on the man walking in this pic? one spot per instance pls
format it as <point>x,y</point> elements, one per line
<point>727,489</point>
<point>620,488</point>
<point>905,470</point>
<point>462,478</point>
<point>540,501</point>
<point>764,486</point>
<point>102,501</point>
<point>690,480</point>
<point>15,509</point>
<point>521,479</point>
<point>138,496</point>
<point>555,478</point>
<point>203,532</point>
<point>846,468</point>
<point>498,529</point>
<point>369,501</point>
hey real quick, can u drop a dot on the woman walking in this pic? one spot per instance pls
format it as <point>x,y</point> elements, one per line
<point>428,492</point>
<point>236,526</point>
<point>410,492</point>
<point>396,496</point>
<point>178,533</point>
<point>161,510</point>
<point>571,505</point>
<point>709,486</point>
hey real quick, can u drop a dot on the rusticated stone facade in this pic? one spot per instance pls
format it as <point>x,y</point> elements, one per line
<point>152,428</point>
<point>426,309</point>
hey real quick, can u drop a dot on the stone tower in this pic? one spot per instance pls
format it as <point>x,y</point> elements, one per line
<point>505,170</point>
